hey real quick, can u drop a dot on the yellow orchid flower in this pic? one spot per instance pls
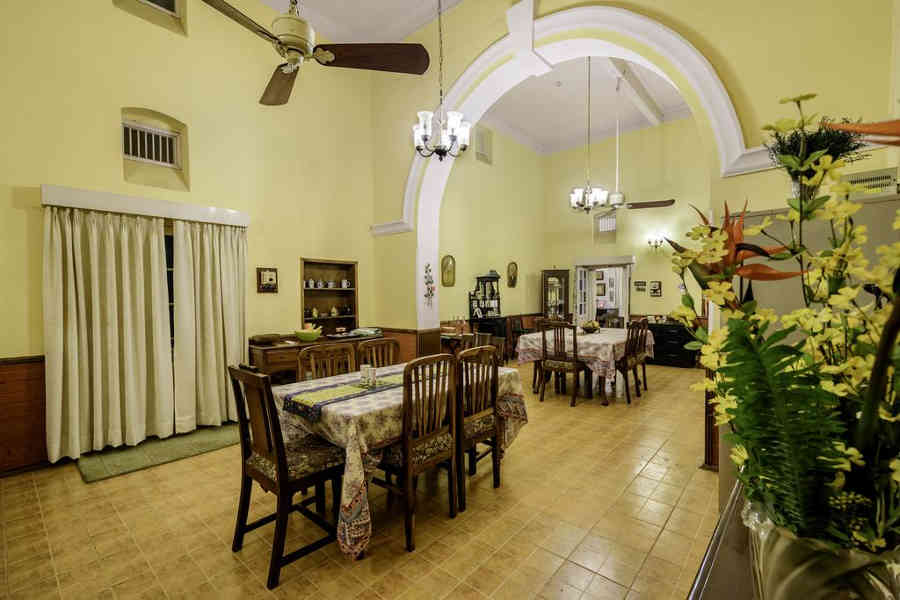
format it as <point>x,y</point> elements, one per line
<point>739,455</point>
<point>897,220</point>
<point>719,292</point>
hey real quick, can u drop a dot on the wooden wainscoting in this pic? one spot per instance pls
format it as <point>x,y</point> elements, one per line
<point>23,441</point>
<point>408,340</point>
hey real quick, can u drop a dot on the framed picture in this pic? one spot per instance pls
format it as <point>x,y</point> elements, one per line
<point>266,280</point>
<point>512,274</point>
<point>601,289</point>
<point>656,289</point>
<point>448,271</point>
<point>599,275</point>
<point>640,286</point>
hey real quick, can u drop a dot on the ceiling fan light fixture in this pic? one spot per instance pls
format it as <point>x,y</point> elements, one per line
<point>616,198</point>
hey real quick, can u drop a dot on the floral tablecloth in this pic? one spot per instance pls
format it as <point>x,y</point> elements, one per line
<point>364,426</point>
<point>599,350</point>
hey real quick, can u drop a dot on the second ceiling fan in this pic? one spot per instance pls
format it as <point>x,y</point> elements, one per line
<point>295,40</point>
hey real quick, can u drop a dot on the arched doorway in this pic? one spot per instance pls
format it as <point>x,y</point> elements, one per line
<point>600,31</point>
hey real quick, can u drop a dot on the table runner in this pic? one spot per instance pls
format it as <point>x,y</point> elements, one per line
<point>598,350</point>
<point>308,403</point>
<point>367,424</point>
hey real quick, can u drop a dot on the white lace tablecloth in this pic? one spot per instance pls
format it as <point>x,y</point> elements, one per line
<point>599,350</point>
<point>364,426</point>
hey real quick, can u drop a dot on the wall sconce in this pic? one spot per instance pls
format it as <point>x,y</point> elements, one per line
<point>656,241</point>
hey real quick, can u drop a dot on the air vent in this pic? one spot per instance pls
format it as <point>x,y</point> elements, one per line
<point>605,223</point>
<point>147,144</point>
<point>484,144</point>
<point>167,6</point>
<point>879,183</point>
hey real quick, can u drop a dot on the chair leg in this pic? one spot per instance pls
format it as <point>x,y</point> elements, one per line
<point>242,512</point>
<point>320,498</point>
<point>390,494</point>
<point>644,369</point>
<point>637,383</point>
<point>460,478</point>
<point>534,377</point>
<point>336,485</point>
<point>627,392</point>
<point>409,516</point>
<point>281,522</point>
<point>589,383</point>
<point>473,461</point>
<point>452,482</point>
<point>575,379</point>
<point>495,458</point>
<point>543,384</point>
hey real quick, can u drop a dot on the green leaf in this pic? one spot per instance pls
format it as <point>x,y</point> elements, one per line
<point>790,161</point>
<point>695,345</point>
<point>701,334</point>
<point>687,301</point>
<point>794,203</point>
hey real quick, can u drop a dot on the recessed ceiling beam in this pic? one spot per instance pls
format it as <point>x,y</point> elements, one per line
<point>520,22</point>
<point>635,90</point>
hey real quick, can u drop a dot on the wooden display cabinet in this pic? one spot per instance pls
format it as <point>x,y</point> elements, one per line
<point>323,299</point>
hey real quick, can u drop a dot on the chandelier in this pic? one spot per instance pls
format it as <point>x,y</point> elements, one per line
<point>453,131</point>
<point>587,198</point>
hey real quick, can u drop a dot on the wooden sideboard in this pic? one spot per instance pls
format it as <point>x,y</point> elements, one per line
<point>23,437</point>
<point>280,360</point>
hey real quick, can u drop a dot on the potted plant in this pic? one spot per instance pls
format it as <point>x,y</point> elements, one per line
<point>809,397</point>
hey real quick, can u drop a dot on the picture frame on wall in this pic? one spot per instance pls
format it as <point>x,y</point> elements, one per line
<point>599,276</point>
<point>266,280</point>
<point>448,271</point>
<point>640,286</point>
<point>656,289</point>
<point>601,289</point>
<point>512,274</point>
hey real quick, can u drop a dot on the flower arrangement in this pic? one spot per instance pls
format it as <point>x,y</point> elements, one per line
<point>810,397</point>
<point>429,285</point>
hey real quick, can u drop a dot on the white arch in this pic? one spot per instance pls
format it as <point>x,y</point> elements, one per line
<point>490,76</point>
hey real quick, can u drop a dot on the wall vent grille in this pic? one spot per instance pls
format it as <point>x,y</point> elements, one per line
<point>605,223</point>
<point>150,145</point>
<point>879,183</point>
<point>484,144</point>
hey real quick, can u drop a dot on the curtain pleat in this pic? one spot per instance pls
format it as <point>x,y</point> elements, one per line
<point>210,284</point>
<point>108,357</point>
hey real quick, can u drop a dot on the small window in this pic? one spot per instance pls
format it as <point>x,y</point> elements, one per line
<point>151,145</point>
<point>167,6</point>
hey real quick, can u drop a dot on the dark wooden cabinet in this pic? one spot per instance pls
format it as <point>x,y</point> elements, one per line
<point>280,359</point>
<point>668,346</point>
<point>23,437</point>
<point>555,293</point>
<point>335,304</point>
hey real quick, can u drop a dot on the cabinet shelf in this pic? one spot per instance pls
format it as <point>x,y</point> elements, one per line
<point>329,289</point>
<point>323,299</point>
<point>330,318</point>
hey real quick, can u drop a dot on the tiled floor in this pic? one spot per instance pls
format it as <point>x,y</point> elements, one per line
<point>596,503</point>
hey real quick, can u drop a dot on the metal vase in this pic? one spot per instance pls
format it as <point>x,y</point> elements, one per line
<point>786,567</point>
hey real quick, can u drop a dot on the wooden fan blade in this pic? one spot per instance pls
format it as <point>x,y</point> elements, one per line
<point>242,19</point>
<point>278,91</point>
<point>394,58</point>
<point>654,204</point>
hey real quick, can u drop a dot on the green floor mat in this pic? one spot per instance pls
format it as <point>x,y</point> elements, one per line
<point>111,462</point>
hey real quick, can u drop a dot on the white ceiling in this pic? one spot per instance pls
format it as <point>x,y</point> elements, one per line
<point>345,21</point>
<point>549,113</point>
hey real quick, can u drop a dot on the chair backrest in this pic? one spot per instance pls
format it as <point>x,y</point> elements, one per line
<point>645,328</point>
<point>467,341</point>
<point>557,331</point>
<point>540,323</point>
<point>515,324</point>
<point>477,382</point>
<point>483,339</point>
<point>258,423</point>
<point>326,360</point>
<point>378,353</point>
<point>429,395</point>
<point>633,338</point>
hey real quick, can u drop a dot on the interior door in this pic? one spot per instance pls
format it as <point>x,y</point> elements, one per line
<point>584,295</point>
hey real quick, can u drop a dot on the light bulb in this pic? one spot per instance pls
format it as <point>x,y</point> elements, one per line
<point>425,120</point>
<point>417,136</point>
<point>454,120</point>
<point>465,130</point>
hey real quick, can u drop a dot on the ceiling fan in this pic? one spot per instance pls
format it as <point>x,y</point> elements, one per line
<point>295,40</point>
<point>617,198</point>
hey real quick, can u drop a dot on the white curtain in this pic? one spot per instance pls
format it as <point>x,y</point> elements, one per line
<point>209,293</point>
<point>106,334</point>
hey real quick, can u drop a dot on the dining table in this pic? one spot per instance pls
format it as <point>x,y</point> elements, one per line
<point>599,350</point>
<point>364,420</point>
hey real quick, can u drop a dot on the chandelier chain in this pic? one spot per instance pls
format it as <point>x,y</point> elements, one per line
<point>589,121</point>
<point>441,57</point>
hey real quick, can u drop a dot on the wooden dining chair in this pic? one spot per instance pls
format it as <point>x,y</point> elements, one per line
<point>540,323</point>
<point>629,360</point>
<point>429,431</point>
<point>467,340</point>
<point>476,414</point>
<point>326,360</point>
<point>516,329</point>
<point>500,344</point>
<point>642,353</point>
<point>282,467</point>
<point>556,360</point>
<point>483,339</point>
<point>378,353</point>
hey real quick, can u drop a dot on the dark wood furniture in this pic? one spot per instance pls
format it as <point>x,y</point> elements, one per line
<point>500,344</point>
<point>668,346</point>
<point>378,353</point>
<point>515,328</point>
<point>282,467</point>
<point>483,339</point>
<point>326,360</point>
<point>539,324</point>
<point>279,359</point>
<point>555,293</point>
<point>484,300</point>
<point>476,414</point>
<point>556,360</point>
<point>428,439</point>
<point>22,404</point>
<point>629,360</point>
<point>323,299</point>
<point>642,354</point>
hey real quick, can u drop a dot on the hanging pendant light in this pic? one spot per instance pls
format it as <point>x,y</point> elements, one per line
<point>617,198</point>
<point>453,131</point>
<point>587,198</point>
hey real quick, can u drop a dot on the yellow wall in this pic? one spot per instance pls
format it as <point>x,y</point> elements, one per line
<point>303,172</point>
<point>658,163</point>
<point>492,215</point>
<point>748,44</point>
